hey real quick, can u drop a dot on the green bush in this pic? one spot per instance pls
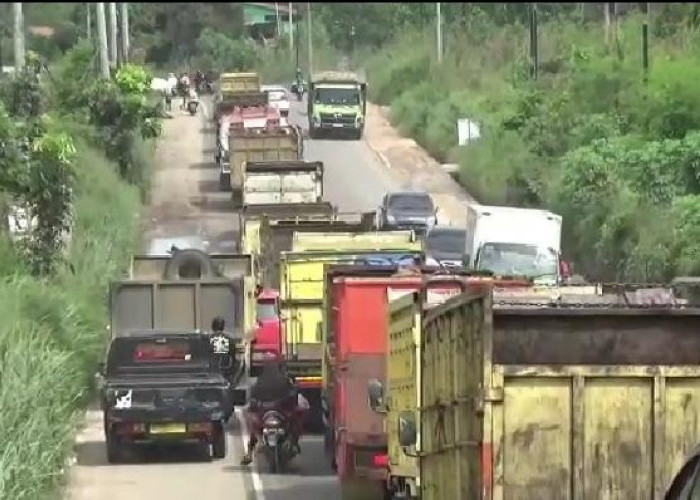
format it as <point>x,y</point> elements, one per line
<point>52,332</point>
<point>590,139</point>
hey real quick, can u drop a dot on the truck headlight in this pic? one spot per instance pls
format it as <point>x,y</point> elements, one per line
<point>391,219</point>
<point>358,120</point>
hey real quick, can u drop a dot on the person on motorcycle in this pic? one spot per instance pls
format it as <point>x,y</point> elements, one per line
<point>274,388</point>
<point>184,89</point>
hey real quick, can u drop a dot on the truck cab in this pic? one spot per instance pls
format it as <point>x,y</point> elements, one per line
<point>337,102</point>
<point>512,241</point>
<point>269,329</point>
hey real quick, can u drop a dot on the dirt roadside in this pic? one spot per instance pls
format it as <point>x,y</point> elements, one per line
<point>416,169</point>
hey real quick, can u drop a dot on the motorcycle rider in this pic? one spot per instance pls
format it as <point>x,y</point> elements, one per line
<point>274,388</point>
<point>184,88</point>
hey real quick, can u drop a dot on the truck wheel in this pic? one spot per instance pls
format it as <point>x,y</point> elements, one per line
<point>218,444</point>
<point>314,133</point>
<point>358,134</point>
<point>114,448</point>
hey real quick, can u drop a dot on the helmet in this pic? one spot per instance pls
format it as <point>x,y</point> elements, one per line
<point>218,324</point>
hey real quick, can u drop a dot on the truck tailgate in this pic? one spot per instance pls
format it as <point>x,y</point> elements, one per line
<point>282,182</point>
<point>177,305</point>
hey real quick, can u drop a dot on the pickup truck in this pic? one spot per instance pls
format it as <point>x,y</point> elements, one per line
<point>163,386</point>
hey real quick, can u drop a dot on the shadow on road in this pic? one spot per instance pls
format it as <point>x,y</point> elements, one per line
<point>208,203</point>
<point>93,454</point>
<point>210,186</point>
<point>202,165</point>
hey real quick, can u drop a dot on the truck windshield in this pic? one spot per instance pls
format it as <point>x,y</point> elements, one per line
<point>265,310</point>
<point>452,242</point>
<point>343,97</point>
<point>507,259</point>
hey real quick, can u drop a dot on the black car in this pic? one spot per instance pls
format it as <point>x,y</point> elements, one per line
<point>446,246</point>
<point>163,386</point>
<point>407,210</point>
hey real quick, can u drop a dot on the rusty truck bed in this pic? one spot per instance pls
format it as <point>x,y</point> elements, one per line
<point>581,401</point>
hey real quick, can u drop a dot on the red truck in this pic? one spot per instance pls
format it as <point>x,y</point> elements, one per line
<point>268,336</point>
<point>355,351</point>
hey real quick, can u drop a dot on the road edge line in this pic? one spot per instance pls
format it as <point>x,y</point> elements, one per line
<point>254,474</point>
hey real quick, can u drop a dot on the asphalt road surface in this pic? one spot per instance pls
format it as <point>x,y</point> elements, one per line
<point>187,207</point>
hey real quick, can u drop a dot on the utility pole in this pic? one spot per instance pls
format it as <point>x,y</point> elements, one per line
<point>439,33</point>
<point>125,31</point>
<point>291,31</point>
<point>113,34</point>
<point>645,42</point>
<point>311,52</point>
<point>19,36</point>
<point>102,35</point>
<point>88,21</point>
<point>277,19</point>
<point>296,42</point>
<point>534,50</point>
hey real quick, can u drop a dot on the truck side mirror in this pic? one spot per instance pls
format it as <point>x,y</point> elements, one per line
<point>375,391</point>
<point>408,432</point>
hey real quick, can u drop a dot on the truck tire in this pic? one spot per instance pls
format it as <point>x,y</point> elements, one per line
<point>192,260</point>
<point>114,448</point>
<point>314,133</point>
<point>218,444</point>
<point>358,135</point>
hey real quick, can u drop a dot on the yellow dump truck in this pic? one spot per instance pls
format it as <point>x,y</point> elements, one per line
<point>257,145</point>
<point>518,399</point>
<point>268,230</point>
<point>301,293</point>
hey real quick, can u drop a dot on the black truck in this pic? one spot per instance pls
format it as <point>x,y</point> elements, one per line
<point>163,386</point>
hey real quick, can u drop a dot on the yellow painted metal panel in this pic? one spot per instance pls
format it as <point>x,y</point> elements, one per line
<point>681,421</point>
<point>403,374</point>
<point>384,240</point>
<point>537,427</point>
<point>618,445</point>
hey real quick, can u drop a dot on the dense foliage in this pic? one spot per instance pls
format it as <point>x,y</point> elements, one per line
<point>616,156</point>
<point>73,155</point>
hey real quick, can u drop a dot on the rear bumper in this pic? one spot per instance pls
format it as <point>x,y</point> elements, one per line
<point>162,416</point>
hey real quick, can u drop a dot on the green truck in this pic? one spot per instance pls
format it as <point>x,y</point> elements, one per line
<point>337,104</point>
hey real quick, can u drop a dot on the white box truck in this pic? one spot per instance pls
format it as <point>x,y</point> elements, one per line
<point>515,241</point>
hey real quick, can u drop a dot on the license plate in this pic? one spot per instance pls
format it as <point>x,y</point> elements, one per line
<point>168,428</point>
<point>338,125</point>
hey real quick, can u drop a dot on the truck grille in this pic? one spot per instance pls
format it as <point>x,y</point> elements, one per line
<point>338,118</point>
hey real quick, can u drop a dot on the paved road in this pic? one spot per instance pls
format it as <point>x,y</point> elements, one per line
<point>186,206</point>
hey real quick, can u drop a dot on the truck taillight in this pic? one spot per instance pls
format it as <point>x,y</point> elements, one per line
<point>381,460</point>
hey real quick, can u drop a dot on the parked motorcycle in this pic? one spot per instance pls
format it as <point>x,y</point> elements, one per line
<point>276,440</point>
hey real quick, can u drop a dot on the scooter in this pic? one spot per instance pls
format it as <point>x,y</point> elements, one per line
<point>192,104</point>
<point>298,90</point>
<point>276,440</point>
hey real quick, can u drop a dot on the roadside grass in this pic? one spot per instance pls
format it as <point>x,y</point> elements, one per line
<point>52,332</point>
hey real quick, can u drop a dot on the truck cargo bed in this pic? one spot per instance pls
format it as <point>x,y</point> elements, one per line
<point>552,402</point>
<point>282,182</point>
